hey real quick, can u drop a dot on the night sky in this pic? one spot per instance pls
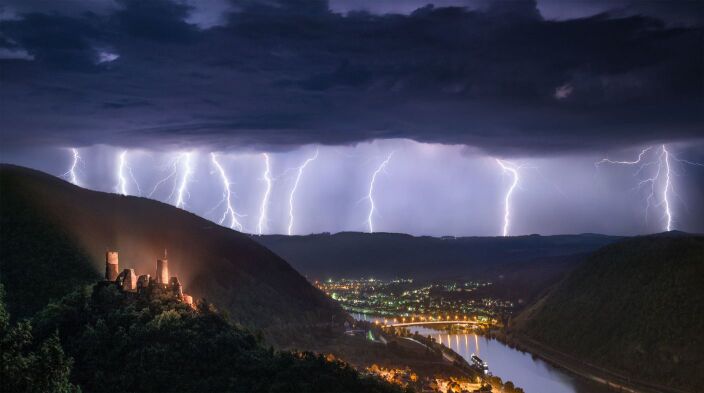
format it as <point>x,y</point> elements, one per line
<point>547,88</point>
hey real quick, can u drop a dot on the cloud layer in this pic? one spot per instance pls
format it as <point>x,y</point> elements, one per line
<point>498,76</point>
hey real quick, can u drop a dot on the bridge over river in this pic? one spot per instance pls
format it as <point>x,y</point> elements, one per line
<point>430,323</point>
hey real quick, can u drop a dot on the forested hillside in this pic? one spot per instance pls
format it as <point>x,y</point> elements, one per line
<point>636,307</point>
<point>54,236</point>
<point>39,260</point>
<point>101,340</point>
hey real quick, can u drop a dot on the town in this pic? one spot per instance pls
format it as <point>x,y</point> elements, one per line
<point>407,316</point>
<point>404,300</point>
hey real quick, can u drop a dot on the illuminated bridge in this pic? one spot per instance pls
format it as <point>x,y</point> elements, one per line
<point>419,323</point>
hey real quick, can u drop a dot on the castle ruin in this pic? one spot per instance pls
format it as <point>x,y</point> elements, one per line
<point>128,281</point>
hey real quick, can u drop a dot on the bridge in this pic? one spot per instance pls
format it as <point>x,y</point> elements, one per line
<point>419,323</point>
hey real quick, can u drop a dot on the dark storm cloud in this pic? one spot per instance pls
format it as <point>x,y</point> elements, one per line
<point>501,77</point>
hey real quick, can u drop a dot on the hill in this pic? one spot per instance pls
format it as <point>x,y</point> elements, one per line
<point>635,307</point>
<point>393,255</point>
<point>521,267</point>
<point>103,340</point>
<point>55,235</point>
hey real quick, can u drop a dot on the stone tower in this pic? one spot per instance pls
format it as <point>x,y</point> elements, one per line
<point>162,270</point>
<point>111,265</point>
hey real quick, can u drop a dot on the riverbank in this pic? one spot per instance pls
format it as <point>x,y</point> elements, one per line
<point>610,378</point>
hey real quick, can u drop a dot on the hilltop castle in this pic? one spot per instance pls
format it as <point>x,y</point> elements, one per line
<point>128,281</point>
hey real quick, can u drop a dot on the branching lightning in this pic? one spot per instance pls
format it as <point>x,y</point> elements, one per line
<point>513,170</point>
<point>123,166</point>
<point>652,181</point>
<point>265,200</point>
<point>370,195</point>
<point>226,197</point>
<point>71,173</point>
<point>179,188</point>
<point>174,170</point>
<point>293,190</point>
<point>638,161</point>
<point>662,179</point>
<point>182,191</point>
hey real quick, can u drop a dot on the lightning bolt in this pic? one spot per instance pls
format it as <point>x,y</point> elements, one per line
<point>662,177</point>
<point>71,173</point>
<point>668,186</point>
<point>265,199</point>
<point>174,164</point>
<point>174,170</point>
<point>121,181</point>
<point>293,190</point>
<point>226,196</point>
<point>638,161</point>
<point>507,167</point>
<point>183,184</point>
<point>370,195</point>
<point>123,166</point>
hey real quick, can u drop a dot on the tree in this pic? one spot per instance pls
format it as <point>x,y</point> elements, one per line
<point>28,366</point>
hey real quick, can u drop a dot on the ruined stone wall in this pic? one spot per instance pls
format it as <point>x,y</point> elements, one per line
<point>127,280</point>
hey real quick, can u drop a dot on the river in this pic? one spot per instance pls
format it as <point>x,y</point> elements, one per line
<point>531,374</point>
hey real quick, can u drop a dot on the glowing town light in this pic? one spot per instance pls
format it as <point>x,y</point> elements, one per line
<point>226,195</point>
<point>265,200</point>
<point>185,177</point>
<point>71,173</point>
<point>295,187</point>
<point>121,181</point>
<point>370,195</point>
<point>506,167</point>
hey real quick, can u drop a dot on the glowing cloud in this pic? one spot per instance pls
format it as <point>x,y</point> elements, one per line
<point>295,187</point>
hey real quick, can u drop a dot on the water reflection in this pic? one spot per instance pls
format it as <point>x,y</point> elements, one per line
<point>533,375</point>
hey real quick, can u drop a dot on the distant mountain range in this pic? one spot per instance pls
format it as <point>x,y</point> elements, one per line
<point>393,255</point>
<point>635,307</point>
<point>54,236</point>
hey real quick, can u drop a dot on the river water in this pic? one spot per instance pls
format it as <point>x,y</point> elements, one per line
<point>533,375</point>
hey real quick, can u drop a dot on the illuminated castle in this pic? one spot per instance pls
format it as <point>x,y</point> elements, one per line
<point>128,281</point>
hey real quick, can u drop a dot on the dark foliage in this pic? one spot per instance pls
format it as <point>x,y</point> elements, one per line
<point>125,342</point>
<point>29,365</point>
